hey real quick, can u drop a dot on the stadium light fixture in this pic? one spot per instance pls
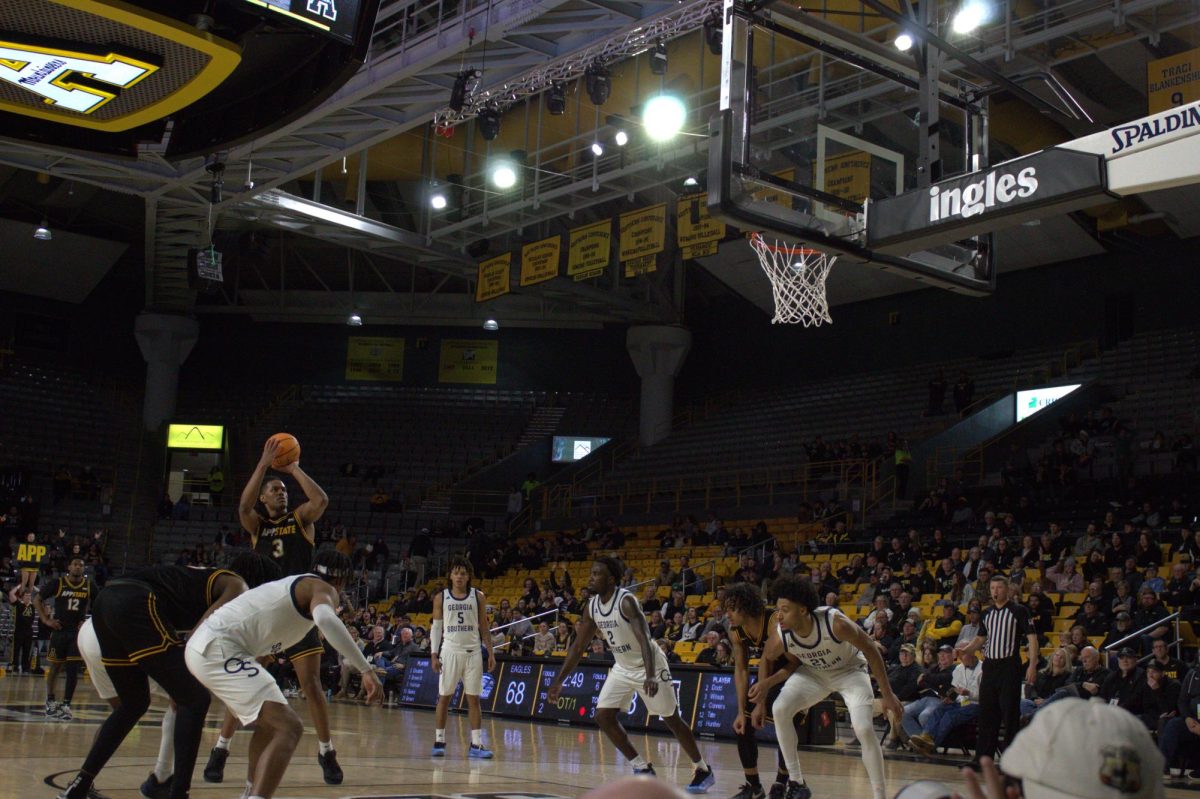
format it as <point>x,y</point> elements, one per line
<point>598,80</point>
<point>713,32</point>
<point>621,139</point>
<point>970,15</point>
<point>504,174</point>
<point>597,149</point>
<point>354,320</point>
<point>463,86</point>
<point>489,123</point>
<point>491,324</point>
<point>658,58</point>
<point>691,182</point>
<point>904,42</point>
<point>438,201</point>
<point>663,117</point>
<point>556,99</point>
<point>43,232</point>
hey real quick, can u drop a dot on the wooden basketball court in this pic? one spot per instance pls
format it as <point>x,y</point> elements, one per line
<point>385,752</point>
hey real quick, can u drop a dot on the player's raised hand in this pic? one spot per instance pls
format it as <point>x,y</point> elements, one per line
<point>270,450</point>
<point>373,687</point>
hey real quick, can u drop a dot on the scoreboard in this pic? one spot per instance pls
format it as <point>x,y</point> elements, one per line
<point>707,698</point>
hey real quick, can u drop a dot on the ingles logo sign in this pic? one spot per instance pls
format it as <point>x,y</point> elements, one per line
<point>103,66</point>
<point>975,198</point>
<point>1046,183</point>
<point>75,81</point>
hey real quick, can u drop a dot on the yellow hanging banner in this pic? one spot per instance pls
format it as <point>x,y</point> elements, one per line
<point>695,230</point>
<point>1173,81</point>
<point>493,277</point>
<point>643,235</point>
<point>848,175</point>
<point>375,358</point>
<point>588,250</point>
<point>468,361</point>
<point>539,261</point>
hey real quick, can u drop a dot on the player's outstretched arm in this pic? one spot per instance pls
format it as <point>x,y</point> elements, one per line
<point>585,631</point>
<point>247,515</point>
<point>310,511</point>
<point>322,603</point>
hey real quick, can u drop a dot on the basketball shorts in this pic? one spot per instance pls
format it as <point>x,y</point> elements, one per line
<point>772,695</point>
<point>89,650</point>
<point>464,667</point>
<point>808,686</point>
<point>307,646</point>
<point>231,674</point>
<point>62,647</point>
<point>620,686</point>
<point>125,615</point>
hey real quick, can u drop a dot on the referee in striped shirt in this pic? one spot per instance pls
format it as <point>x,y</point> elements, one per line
<point>1001,629</point>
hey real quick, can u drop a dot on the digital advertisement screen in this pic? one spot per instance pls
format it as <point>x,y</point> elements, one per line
<point>1034,400</point>
<point>338,18</point>
<point>195,436</point>
<point>568,449</point>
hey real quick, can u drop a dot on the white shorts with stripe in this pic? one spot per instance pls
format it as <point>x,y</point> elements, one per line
<point>464,667</point>
<point>808,686</point>
<point>620,686</point>
<point>232,674</point>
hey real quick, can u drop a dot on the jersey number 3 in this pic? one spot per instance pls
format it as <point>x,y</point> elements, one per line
<point>277,548</point>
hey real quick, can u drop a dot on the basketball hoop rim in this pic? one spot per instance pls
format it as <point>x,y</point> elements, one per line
<point>756,239</point>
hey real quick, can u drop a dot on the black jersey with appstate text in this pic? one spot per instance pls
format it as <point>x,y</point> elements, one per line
<point>754,640</point>
<point>284,541</point>
<point>72,600</point>
<point>182,593</point>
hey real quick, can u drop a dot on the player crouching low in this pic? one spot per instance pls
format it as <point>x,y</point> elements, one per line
<point>458,642</point>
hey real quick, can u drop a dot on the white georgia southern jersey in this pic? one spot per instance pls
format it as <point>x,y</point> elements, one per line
<point>821,649</point>
<point>460,622</point>
<point>617,630</point>
<point>263,621</point>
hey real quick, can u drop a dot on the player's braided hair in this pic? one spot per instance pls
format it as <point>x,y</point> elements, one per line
<point>330,565</point>
<point>614,567</point>
<point>254,568</point>
<point>744,598</point>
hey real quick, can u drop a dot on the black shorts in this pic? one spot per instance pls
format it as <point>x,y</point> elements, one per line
<point>128,626</point>
<point>63,648</point>
<point>307,646</point>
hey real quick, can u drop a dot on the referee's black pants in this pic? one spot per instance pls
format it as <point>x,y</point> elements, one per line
<point>999,703</point>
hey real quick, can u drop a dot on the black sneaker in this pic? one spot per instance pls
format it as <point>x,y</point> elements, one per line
<point>702,780</point>
<point>439,749</point>
<point>748,791</point>
<point>648,771</point>
<point>153,789</point>
<point>777,791</point>
<point>330,767</point>
<point>796,790</point>
<point>214,770</point>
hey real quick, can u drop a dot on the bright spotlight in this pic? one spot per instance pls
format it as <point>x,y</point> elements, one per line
<point>622,138</point>
<point>438,201</point>
<point>491,324</point>
<point>354,320</point>
<point>42,232</point>
<point>597,149</point>
<point>504,175</point>
<point>663,117</point>
<point>690,182</point>
<point>972,14</point>
<point>904,42</point>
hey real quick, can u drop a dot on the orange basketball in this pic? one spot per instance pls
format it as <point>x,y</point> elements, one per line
<point>288,452</point>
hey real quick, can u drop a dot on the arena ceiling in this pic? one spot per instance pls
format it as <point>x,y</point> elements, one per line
<point>336,217</point>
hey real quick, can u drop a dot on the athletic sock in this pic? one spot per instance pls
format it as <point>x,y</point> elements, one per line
<point>164,767</point>
<point>324,747</point>
<point>222,742</point>
<point>640,763</point>
<point>782,777</point>
<point>700,765</point>
<point>753,781</point>
<point>476,737</point>
<point>439,736</point>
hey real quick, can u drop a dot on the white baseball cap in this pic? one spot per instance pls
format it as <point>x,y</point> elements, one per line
<point>1080,749</point>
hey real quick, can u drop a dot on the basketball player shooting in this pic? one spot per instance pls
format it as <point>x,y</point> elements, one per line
<point>457,645</point>
<point>641,668</point>
<point>834,654</point>
<point>288,537</point>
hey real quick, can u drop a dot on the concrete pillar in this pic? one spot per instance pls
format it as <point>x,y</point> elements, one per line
<point>165,341</point>
<point>658,352</point>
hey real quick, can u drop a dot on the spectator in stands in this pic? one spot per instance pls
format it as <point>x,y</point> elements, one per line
<point>650,600</point>
<point>962,707</point>
<point>521,626</point>
<point>529,485</point>
<point>943,576</point>
<point>708,655</point>
<point>668,650</point>
<point>1123,599</point>
<point>1063,576</point>
<point>543,640</point>
<point>1090,617</point>
<point>971,627</point>
<point>902,460</point>
<point>1087,542</point>
<point>379,500</point>
<point>947,622</point>
<point>658,627</point>
<point>1055,675</point>
<point>674,629</point>
<point>717,622</point>
<point>1094,567</point>
<point>907,637</point>
<point>421,603</point>
<point>667,577</point>
<point>1151,580</point>
<point>692,626</point>
<point>1160,697</point>
<point>1145,552</point>
<point>597,651</point>
<point>1179,740</point>
<point>933,684</point>
<point>1161,655</point>
<point>881,613</point>
<point>675,605</point>
<point>688,581</point>
<point>904,675</point>
<point>1150,610</point>
<point>1124,686</point>
<point>1089,676</point>
<point>564,634</point>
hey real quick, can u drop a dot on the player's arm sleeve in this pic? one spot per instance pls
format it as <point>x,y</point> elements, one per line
<point>335,633</point>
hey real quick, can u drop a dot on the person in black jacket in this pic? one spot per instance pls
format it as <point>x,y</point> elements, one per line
<point>1180,738</point>
<point>904,676</point>
<point>1056,674</point>
<point>933,685</point>
<point>1160,697</point>
<point>1124,686</point>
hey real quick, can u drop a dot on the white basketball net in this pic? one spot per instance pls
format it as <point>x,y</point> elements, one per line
<point>797,277</point>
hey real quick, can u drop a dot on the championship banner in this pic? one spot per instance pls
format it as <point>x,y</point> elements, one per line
<point>539,261</point>
<point>643,235</point>
<point>468,361</point>
<point>378,358</point>
<point>588,250</point>
<point>493,277</point>
<point>848,175</point>
<point>697,232</point>
<point>1173,81</point>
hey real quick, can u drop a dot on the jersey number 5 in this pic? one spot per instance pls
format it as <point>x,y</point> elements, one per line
<point>461,619</point>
